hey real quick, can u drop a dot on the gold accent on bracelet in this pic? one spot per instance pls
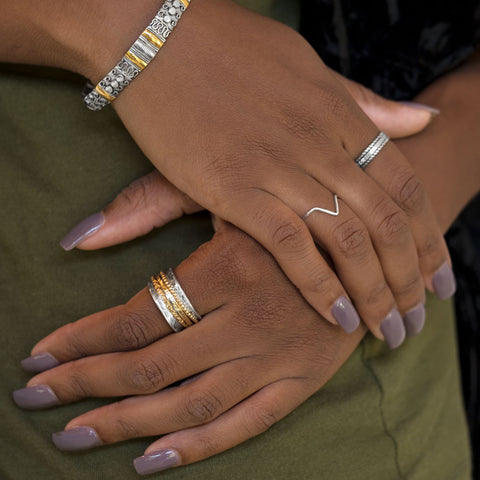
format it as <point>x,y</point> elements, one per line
<point>185,3</point>
<point>104,94</point>
<point>153,39</point>
<point>135,60</point>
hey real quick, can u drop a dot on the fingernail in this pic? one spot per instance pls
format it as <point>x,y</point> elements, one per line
<point>420,106</point>
<point>414,320</point>
<point>444,282</point>
<point>79,438</point>
<point>393,329</point>
<point>156,461</point>
<point>33,398</point>
<point>345,314</point>
<point>39,363</point>
<point>82,231</point>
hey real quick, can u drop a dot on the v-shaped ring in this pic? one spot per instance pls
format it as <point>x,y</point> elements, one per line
<point>324,210</point>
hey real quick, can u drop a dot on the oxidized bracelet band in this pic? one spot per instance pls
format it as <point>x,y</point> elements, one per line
<point>140,54</point>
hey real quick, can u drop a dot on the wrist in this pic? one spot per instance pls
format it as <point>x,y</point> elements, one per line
<point>85,37</point>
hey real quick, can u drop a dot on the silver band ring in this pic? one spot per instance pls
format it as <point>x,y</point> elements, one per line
<point>366,157</point>
<point>170,319</point>
<point>172,301</point>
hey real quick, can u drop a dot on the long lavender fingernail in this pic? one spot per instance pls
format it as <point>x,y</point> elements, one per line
<point>444,282</point>
<point>345,314</point>
<point>33,398</point>
<point>414,320</point>
<point>79,438</point>
<point>421,106</point>
<point>82,231</point>
<point>393,329</point>
<point>39,363</point>
<point>157,461</point>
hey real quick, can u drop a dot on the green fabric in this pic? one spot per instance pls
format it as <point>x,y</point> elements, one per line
<point>385,415</point>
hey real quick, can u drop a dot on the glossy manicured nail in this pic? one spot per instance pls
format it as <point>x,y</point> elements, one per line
<point>345,314</point>
<point>39,363</point>
<point>414,320</point>
<point>393,329</point>
<point>82,231</point>
<point>79,438</point>
<point>444,282</point>
<point>33,398</point>
<point>156,461</point>
<point>420,106</point>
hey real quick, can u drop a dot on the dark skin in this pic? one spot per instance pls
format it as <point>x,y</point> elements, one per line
<point>293,352</point>
<point>243,146</point>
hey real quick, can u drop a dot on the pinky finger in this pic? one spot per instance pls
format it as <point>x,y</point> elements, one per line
<point>248,419</point>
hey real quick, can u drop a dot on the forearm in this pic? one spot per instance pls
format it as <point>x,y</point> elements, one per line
<point>84,37</point>
<point>447,154</point>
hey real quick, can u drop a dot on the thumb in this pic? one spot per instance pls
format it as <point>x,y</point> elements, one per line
<point>147,203</point>
<point>396,119</point>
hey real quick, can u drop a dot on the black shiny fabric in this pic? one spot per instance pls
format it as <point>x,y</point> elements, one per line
<point>398,47</point>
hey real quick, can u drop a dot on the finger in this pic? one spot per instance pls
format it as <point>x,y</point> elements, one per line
<point>347,240</point>
<point>248,419</point>
<point>191,404</point>
<point>410,195</point>
<point>282,232</point>
<point>148,370</point>
<point>396,119</point>
<point>391,170</point>
<point>210,278</point>
<point>149,202</point>
<point>388,225</point>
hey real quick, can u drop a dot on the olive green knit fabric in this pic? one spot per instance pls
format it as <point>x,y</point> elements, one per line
<point>385,415</point>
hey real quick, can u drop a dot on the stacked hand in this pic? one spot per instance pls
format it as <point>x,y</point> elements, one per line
<point>258,341</point>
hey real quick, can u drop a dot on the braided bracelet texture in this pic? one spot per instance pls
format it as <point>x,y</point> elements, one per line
<point>140,54</point>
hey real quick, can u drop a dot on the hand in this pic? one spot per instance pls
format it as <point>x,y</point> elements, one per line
<point>152,201</point>
<point>258,341</point>
<point>260,153</point>
<point>250,117</point>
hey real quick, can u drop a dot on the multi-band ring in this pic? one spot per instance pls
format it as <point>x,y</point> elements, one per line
<point>366,157</point>
<point>172,301</point>
<point>140,54</point>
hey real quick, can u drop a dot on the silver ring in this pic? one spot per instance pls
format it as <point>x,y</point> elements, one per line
<point>181,294</point>
<point>171,320</point>
<point>366,157</point>
<point>334,213</point>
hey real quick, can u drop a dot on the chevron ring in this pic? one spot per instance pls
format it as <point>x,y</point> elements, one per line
<point>334,213</point>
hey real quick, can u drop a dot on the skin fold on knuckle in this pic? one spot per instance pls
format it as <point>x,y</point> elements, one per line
<point>392,228</point>
<point>130,331</point>
<point>410,194</point>
<point>351,239</point>
<point>201,408</point>
<point>148,375</point>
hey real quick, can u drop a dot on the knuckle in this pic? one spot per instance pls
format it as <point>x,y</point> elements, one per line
<point>410,287</point>
<point>392,224</point>
<point>430,246</point>
<point>202,407</point>
<point>150,375</point>
<point>77,384</point>
<point>376,295</point>
<point>262,418</point>
<point>289,236</point>
<point>351,238</point>
<point>322,282</point>
<point>75,341</point>
<point>125,429</point>
<point>130,331</point>
<point>136,194</point>
<point>411,196</point>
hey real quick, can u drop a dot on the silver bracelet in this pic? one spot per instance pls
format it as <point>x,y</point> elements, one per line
<point>140,54</point>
